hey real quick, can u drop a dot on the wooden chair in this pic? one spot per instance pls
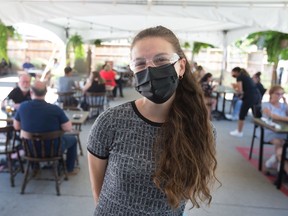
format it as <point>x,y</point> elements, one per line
<point>257,114</point>
<point>43,147</point>
<point>96,102</point>
<point>68,99</point>
<point>8,148</point>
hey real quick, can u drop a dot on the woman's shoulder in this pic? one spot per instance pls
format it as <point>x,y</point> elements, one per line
<point>115,111</point>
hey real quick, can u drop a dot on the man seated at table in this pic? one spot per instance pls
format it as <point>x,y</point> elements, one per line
<point>27,64</point>
<point>67,84</point>
<point>38,116</point>
<point>20,93</point>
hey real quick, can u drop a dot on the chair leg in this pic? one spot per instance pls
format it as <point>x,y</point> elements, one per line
<point>20,161</point>
<point>282,164</point>
<point>252,142</point>
<point>25,180</point>
<point>64,169</point>
<point>57,179</point>
<point>79,143</point>
<point>9,163</point>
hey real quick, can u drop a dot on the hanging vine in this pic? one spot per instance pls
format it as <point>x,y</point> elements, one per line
<point>5,33</point>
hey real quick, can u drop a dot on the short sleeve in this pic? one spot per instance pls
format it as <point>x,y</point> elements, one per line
<point>12,95</point>
<point>17,115</point>
<point>265,106</point>
<point>62,117</point>
<point>101,136</point>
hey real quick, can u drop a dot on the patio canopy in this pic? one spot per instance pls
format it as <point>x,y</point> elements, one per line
<point>215,22</point>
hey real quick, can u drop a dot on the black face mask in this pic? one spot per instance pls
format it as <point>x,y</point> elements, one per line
<point>157,83</point>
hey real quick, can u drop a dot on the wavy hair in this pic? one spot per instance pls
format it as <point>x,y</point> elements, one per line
<point>185,146</point>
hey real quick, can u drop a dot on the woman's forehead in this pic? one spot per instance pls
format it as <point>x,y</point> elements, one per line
<point>150,46</point>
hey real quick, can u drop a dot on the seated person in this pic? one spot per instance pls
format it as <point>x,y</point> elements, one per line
<point>278,111</point>
<point>208,89</point>
<point>257,79</point>
<point>109,76</point>
<point>67,84</point>
<point>27,64</point>
<point>20,93</point>
<point>95,83</point>
<point>199,73</point>
<point>236,105</point>
<point>38,116</point>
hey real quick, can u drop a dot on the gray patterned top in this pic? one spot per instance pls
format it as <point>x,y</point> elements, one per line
<point>124,137</point>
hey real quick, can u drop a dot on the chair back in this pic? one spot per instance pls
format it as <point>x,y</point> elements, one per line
<point>96,100</point>
<point>68,99</point>
<point>42,146</point>
<point>6,146</point>
<point>257,111</point>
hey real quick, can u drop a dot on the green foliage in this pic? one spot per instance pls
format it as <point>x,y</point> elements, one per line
<point>186,45</point>
<point>197,46</point>
<point>5,33</point>
<point>76,42</point>
<point>272,41</point>
<point>97,42</point>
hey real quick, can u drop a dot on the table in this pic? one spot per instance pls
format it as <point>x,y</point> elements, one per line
<point>80,119</point>
<point>282,129</point>
<point>222,90</point>
<point>5,117</point>
<point>77,117</point>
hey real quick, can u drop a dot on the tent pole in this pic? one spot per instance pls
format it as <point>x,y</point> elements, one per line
<point>224,58</point>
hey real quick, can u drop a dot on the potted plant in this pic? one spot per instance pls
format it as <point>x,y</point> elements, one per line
<point>5,33</point>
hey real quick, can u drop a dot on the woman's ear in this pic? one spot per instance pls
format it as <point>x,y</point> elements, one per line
<point>182,66</point>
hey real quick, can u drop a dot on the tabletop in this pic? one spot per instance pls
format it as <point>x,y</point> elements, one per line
<point>282,127</point>
<point>224,89</point>
<point>77,117</point>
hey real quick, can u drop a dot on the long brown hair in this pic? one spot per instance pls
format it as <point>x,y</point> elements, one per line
<point>185,148</point>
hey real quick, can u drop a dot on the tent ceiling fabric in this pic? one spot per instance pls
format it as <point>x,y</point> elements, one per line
<point>191,20</point>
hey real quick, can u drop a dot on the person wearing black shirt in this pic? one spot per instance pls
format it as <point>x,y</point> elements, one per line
<point>250,96</point>
<point>21,92</point>
<point>256,78</point>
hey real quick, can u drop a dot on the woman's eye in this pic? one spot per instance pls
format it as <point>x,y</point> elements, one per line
<point>140,63</point>
<point>160,60</point>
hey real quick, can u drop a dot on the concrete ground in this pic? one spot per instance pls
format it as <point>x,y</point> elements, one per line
<point>244,190</point>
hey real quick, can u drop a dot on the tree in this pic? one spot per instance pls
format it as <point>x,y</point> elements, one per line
<point>276,45</point>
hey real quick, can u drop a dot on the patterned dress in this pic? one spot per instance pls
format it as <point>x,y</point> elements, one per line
<point>124,137</point>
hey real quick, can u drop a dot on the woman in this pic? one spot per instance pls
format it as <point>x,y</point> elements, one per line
<point>278,111</point>
<point>208,89</point>
<point>95,83</point>
<point>109,76</point>
<point>149,156</point>
<point>199,73</point>
<point>257,79</point>
<point>249,94</point>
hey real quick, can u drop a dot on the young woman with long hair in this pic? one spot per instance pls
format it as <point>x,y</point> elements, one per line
<point>150,156</point>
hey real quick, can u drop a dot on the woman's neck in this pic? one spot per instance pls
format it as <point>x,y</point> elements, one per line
<point>275,103</point>
<point>154,112</point>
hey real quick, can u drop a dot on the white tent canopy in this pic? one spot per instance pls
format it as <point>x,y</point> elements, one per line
<point>215,22</point>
